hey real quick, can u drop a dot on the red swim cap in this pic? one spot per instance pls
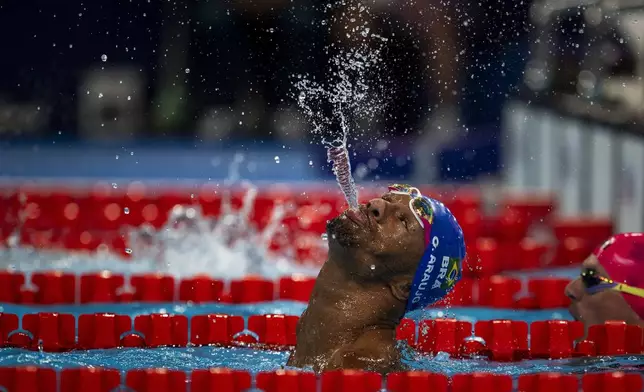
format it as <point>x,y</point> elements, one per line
<point>622,256</point>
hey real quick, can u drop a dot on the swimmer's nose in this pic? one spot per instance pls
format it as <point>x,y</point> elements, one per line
<point>376,207</point>
<point>575,290</point>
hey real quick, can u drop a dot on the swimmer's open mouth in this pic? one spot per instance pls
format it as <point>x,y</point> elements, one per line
<point>358,216</point>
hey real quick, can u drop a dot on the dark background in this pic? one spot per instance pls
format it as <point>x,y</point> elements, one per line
<point>200,64</point>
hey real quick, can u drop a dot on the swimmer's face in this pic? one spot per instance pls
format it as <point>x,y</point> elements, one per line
<point>384,228</point>
<point>599,307</point>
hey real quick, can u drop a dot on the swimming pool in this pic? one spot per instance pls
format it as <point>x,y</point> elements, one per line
<point>152,323</point>
<point>254,359</point>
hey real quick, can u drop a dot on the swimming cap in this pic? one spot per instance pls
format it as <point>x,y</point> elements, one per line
<point>441,265</point>
<point>622,256</point>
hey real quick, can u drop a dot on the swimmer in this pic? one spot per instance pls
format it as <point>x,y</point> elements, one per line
<point>393,255</point>
<point>611,283</point>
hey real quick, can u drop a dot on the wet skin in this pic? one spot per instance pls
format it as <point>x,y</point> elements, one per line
<point>600,307</point>
<point>361,291</point>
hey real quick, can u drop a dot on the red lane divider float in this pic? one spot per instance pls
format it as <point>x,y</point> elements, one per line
<point>604,382</point>
<point>498,340</point>
<point>57,332</point>
<point>350,381</point>
<point>551,382</point>
<point>616,338</point>
<point>159,380</point>
<point>275,330</point>
<point>486,256</point>
<point>33,379</point>
<point>288,380</point>
<point>225,380</point>
<point>61,288</point>
<point>505,340</point>
<point>103,207</point>
<point>481,382</point>
<point>417,381</point>
<point>555,339</point>
<point>90,379</point>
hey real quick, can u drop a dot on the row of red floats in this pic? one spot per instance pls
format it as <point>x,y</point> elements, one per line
<point>33,379</point>
<point>97,213</point>
<point>301,246</point>
<point>108,206</point>
<point>485,256</point>
<point>499,340</point>
<point>58,332</point>
<point>62,288</point>
<point>507,340</point>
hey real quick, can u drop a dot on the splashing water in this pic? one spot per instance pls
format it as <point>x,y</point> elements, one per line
<point>342,170</point>
<point>346,99</point>
<point>189,244</point>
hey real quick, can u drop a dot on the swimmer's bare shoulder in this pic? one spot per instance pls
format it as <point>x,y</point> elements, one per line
<point>375,350</point>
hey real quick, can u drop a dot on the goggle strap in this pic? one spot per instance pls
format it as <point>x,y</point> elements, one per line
<point>620,287</point>
<point>608,284</point>
<point>600,287</point>
<point>624,288</point>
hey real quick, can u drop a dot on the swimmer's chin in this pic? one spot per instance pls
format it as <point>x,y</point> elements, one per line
<point>342,231</point>
<point>574,312</point>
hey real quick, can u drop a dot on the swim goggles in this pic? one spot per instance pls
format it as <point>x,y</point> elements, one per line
<point>419,205</point>
<point>595,283</point>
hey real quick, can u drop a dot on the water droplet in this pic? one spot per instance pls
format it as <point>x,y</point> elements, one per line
<point>13,241</point>
<point>372,266</point>
<point>100,95</point>
<point>187,70</point>
<point>324,236</point>
<point>277,159</point>
<point>126,211</point>
<point>117,157</point>
<point>129,98</point>
<point>441,356</point>
<point>310,163</point>
<point>114,185</point>
<point>128,251</point>
<point>104,57</point>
